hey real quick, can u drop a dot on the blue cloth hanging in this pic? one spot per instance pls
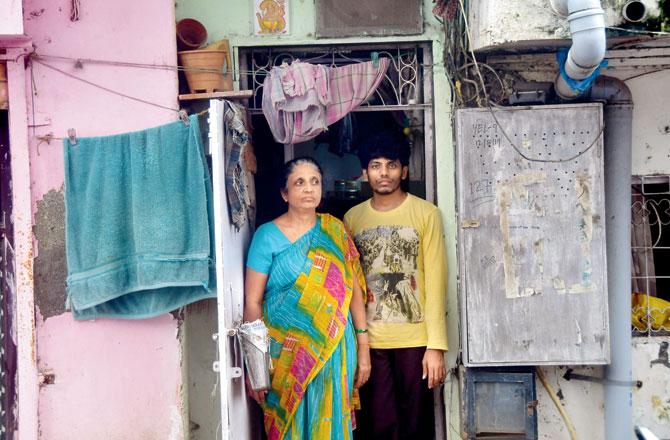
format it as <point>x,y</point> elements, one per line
<point>139,237</point>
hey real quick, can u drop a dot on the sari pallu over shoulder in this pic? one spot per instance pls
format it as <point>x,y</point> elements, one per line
<point>307,318</point>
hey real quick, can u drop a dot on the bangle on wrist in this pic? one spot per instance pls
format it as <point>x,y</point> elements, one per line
<point>361,330</point>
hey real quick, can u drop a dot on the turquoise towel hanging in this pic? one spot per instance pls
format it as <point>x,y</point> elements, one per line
<point>139,231</point>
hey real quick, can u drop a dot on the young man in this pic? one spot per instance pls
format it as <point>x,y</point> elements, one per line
<point>400,239</point>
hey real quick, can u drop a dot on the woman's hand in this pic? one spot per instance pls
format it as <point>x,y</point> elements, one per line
<point>258,396</point>
<point>363,368</point>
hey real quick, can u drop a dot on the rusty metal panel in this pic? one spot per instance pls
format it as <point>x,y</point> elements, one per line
<point>350,18</point>
<point>532,235</point>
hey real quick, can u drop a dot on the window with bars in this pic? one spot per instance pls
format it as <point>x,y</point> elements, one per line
<point>650,251</point>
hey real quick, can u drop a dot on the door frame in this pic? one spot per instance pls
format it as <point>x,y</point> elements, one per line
<point>27,390</point>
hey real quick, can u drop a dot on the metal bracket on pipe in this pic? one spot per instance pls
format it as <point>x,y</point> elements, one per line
<point>569,375</point>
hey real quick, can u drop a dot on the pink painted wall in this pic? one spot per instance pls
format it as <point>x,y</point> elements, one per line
<point>113,379</point>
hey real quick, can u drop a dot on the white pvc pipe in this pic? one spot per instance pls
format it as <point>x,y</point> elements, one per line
<point>587,27</point>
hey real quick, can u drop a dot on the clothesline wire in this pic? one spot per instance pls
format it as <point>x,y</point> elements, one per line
<point>635,31</point>
<point>80,61</point>
<point>49,137</point>
<point>107,89</point>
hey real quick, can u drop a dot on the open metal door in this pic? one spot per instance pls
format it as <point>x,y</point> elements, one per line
<point>231,245</point>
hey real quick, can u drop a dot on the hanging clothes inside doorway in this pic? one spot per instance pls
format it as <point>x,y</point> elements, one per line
<point>139,237</point>
<point>241,198</point>
<point>301,100</point>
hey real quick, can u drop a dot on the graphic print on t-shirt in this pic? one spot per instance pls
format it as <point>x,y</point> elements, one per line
<point>389,255</point>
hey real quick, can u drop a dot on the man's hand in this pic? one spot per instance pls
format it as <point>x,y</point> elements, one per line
<point>433,367</point>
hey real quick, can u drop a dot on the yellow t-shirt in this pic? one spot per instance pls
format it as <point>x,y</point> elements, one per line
<point>406,303</point>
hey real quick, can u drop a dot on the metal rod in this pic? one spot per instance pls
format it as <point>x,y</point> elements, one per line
<point>569,375</point>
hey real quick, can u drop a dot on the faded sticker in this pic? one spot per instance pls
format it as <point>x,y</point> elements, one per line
<point>529,235</point>
<point>585,228</point>
<point>523,235</point>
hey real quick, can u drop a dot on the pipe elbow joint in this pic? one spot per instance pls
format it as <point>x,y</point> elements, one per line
<point>587,51</point>
<point>587,27</point>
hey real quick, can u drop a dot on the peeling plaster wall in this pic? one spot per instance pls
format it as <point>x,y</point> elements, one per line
<point>104,379</point>
<point>583,402</point>
<point>50,265</point>
<point>651,403</point>
<point>651,123</point>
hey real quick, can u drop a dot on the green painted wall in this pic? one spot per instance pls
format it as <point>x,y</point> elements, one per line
<point>232,19</point>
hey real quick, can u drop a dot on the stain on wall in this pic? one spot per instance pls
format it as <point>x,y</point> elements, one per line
<point>50,266</point>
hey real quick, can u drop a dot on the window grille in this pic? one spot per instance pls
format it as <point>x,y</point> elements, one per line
<point>405,92</point>
<point>650,246</point>
<point>401,89</point>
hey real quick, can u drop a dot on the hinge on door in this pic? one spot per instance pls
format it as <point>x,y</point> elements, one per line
<point>234,372</point>
<point>531,406</point>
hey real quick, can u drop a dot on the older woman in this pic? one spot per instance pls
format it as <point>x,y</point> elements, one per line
<point>305,281</point>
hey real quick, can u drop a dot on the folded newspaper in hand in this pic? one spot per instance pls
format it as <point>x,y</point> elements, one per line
<point>256,348</point>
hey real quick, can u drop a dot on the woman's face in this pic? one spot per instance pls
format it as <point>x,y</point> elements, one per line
<point>303,187</point>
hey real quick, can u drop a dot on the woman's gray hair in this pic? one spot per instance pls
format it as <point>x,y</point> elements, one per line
<point>290,166</point>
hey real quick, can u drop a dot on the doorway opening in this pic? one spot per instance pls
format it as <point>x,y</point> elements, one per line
<point>402,103</point>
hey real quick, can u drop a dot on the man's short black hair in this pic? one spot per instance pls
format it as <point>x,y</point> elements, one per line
<point>389,145</point>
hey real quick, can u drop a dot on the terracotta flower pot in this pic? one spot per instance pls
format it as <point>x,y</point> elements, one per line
<point>207,71</point>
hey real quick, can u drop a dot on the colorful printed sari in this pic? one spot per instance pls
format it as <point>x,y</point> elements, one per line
<point>312,340</point>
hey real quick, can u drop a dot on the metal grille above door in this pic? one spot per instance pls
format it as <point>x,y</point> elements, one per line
<point>532,235</point>
<point>406,85</point>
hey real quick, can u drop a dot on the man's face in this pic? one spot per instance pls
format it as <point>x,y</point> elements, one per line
<point>385,175</point>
